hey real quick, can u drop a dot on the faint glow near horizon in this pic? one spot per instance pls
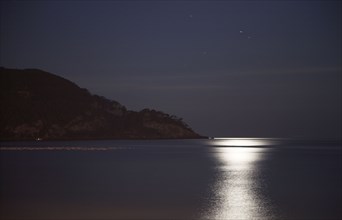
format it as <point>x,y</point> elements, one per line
<point>246,142</point>
<point>236,191</point>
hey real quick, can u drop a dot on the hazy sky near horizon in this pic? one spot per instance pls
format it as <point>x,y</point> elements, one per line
<point>229,68</point>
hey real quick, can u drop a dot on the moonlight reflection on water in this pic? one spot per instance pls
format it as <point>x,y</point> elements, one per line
<point>242,142</point>
<point>220,179</point>
<point>237,192</point>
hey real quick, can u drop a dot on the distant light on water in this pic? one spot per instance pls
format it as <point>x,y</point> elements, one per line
<point>240,156</point>
<point>246,142</point>
<point>237,191</point>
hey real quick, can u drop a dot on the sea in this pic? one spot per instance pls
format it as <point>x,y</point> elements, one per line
<point>204,179</point>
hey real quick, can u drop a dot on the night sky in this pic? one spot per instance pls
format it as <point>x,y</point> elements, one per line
<point>228,68</point>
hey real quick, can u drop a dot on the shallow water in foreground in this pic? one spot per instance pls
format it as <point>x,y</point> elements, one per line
<point>171,179</point>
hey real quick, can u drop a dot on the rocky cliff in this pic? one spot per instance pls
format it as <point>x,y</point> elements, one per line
<point>37,104</point>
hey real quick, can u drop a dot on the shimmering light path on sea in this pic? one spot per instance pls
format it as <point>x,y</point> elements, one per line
<point>236,194</point>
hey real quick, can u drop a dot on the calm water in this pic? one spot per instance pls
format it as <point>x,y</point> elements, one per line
<point>178,179</point>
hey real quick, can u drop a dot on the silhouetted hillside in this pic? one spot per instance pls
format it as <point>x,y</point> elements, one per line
<point>36,104</point>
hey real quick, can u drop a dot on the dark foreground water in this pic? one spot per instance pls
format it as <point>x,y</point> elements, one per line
<point>179,179</point>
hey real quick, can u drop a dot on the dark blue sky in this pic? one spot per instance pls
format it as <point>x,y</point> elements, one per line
<point>229,68</point>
